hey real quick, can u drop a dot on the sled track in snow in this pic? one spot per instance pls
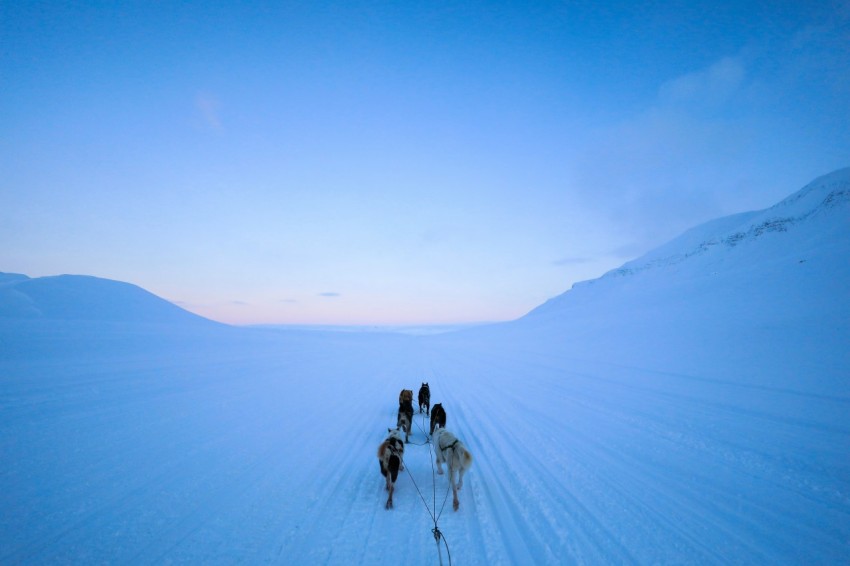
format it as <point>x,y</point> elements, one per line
<point>271,458</point>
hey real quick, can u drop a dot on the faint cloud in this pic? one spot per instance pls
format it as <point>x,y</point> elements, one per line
<point>329,294</point>
<point>659,173</point>
<point>713,85</point>
<point>572,261</point>
<point>209,109</point>
<point>722,138</point>
<point>239,303</point>
<point>819,54</point>
<point>662,171</point>
<point>628,251</point>
<point>288,301</point>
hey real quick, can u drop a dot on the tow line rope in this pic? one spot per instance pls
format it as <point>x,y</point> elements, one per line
<point>438,535</point>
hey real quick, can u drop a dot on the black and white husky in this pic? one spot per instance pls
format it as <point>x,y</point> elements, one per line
<point>453,452</point>
<point>391,459</point>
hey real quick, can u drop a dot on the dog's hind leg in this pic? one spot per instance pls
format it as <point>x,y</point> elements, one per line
<point>394,465</point>
<point>464,462</point>
<point>455,501</point>
<point>390,488</point>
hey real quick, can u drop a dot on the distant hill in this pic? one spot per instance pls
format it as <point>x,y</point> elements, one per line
<point>86,298</point>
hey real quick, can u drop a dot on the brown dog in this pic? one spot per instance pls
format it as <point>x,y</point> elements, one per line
<point>405,419</point>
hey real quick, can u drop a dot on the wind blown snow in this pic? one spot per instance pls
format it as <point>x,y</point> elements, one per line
<point>692,406</point>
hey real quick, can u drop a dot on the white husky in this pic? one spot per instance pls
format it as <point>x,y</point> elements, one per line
<point>458,459</point>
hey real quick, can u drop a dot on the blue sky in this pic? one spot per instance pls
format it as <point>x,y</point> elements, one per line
<point>412,162</point>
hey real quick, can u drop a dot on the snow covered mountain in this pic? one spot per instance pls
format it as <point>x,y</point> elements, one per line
<point>86,298</point>
<point>804,238</point>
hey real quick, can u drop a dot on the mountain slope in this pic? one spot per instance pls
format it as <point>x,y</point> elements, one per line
<point>821,207</point>
<point>783,257</point>
<point>764,307</point>
<point>85,298</point>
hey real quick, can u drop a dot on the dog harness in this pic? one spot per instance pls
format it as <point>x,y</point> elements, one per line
<point>393,445</point>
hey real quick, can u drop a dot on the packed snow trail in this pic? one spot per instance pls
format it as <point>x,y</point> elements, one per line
<point>261,448</point>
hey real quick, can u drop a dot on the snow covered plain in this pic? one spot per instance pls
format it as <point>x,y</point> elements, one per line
<point>690,407</point>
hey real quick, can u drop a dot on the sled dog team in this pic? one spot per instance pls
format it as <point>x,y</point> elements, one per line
<point>449,449</point>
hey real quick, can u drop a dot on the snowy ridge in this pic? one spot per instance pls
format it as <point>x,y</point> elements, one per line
<point>811,223</point>
<point>825,195</point>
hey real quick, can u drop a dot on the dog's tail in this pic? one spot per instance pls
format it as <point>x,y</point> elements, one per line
<point>466,458</point>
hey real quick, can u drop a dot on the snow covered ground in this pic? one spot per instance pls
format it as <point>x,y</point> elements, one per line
<point>691,407</point>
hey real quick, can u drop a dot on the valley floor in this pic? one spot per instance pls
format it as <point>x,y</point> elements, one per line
<point>266,453</point>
